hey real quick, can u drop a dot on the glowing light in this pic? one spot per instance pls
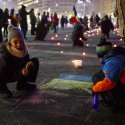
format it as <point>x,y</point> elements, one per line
<point>64,38</point>
<point>56,35</point>
<point>52,38</point>
<point>87,44</point>
<point>121,39</point>
<point>57,4</point>
<point>66,35</point>
<point>58,44</point>
<point>115,45</point>
<point>83,53</point>
<point>37,1</point>
<point>61,51</point>
<point>77,63</point>
<point>80,38</point>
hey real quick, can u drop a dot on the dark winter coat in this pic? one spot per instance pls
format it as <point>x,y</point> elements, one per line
<point>23,22</point>
<point>1,18</point>
<point>11,65</point>
<point>77,34</point>
<point>5,19</point>
<point>32,18</point>
<point>106,25</point>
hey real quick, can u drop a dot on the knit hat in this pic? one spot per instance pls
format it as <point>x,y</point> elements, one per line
<point>103,48</point>
<point>14,32</point>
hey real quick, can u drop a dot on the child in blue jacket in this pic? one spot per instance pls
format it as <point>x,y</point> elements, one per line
<point>110,81</point>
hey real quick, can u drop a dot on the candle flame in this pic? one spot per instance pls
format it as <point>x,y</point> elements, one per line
<point>58,43</point>
<point>52,38</point>
<point>83,53</point>
<point>115,45</point>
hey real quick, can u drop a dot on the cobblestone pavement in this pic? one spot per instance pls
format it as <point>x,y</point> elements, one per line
<point>59,107</point>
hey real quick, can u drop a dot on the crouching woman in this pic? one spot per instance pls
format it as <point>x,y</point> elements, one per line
<point>15,64</point>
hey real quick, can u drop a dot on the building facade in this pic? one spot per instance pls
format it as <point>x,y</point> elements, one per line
<point>59,6</point>
<point>103,6</point>
<point>9,4</point>
<point>66,6</point>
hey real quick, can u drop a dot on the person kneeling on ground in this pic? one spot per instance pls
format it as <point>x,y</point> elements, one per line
<point>77,35</point>
<point>110,81</point>
<point>15,63</point>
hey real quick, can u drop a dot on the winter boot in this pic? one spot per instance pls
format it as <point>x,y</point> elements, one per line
<point>5,92</point>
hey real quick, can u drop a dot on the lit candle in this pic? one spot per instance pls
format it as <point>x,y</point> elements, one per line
<point>61,51</point>
<point>77,63</point>
<point>56,35</point>
<point>52,38</point>
<point>87,44</point>
<point>80,38</point>
<point>83,53</point>
<point>121,39</point>
<point>115,45</point>
<point>58,44</point>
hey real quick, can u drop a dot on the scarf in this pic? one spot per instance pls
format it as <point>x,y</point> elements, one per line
<point>16,52</point>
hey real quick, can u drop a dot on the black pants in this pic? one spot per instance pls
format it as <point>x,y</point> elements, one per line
<point>111,97</point>
<point>33,29</point>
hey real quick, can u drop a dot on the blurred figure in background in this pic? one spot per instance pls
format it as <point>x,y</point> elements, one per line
<point>120,14</point>
<point>1,25</point>
<point>77,35</point>
<point>23,21</point>
<point>5,21</point>
<point>32,21</point>
<point>106,26</point>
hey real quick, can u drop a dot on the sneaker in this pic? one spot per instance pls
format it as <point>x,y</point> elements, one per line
<point>5,92</point>
<point>25,86</point>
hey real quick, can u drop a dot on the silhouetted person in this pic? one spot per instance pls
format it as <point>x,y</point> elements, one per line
<point>5,21</point>
<point>32,21</point>
<point>1,25</point>
<point>23,22</point>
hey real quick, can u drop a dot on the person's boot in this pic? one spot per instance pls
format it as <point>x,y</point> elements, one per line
<point>25,86</point>
<point>5,92</point>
